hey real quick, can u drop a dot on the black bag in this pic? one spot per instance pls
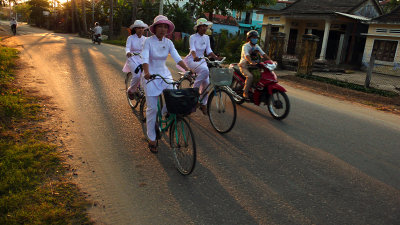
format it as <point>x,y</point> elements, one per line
<point>181,101</point>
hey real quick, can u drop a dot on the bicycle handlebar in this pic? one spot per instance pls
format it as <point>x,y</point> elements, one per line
<point>154,76</point>
<point>216,61</point>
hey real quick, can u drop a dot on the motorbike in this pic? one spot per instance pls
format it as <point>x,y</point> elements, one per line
<point>95,37</point>
<point>265,90</point>
<point>14,29</point>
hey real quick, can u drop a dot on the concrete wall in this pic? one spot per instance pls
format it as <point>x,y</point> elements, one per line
<point>231,29</point>
<point>392,68</point>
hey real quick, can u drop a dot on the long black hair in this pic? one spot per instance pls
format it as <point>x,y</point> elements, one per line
<point>132,31</point>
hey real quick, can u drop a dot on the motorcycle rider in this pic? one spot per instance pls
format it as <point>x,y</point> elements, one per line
<point>97,30</point>
<point>248,50</point>
<point>13,24</point>
<point>134,46</point>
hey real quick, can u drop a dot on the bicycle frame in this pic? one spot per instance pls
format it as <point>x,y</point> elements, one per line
<point>168,122</point>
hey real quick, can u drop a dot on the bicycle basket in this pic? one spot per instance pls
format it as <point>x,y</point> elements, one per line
<point>181,101</point>
<point>221,76</point>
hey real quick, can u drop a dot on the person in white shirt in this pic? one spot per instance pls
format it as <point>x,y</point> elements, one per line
<point>13,24</point>
<point>155,53</point>
<point>97,29</point>
<point>134,47</point>
<point>247,50</point>
<point>200,43</point>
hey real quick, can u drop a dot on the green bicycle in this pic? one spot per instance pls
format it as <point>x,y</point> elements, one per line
<point>179,103</point>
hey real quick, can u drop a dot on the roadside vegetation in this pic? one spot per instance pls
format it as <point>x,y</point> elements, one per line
<point>352,86</point>
<point>33,187</point>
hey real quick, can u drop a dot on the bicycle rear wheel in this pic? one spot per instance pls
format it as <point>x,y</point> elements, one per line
<point>133,103</point>
<point>183,146</point>
<point>221,110</point>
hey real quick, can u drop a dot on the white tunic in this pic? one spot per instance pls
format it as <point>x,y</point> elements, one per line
<point>134,44</point>
<point>199,43</point>
<point>155,53</point>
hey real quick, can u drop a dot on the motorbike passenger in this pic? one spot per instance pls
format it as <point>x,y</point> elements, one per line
<point>13,24</point>
<point>200,43</point>
<point>97,30</point>
<point>248,50</point>
<point>134,46</point>
<point>155,53</point>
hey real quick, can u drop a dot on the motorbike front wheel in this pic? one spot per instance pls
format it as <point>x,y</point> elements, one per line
<point>278,105</point>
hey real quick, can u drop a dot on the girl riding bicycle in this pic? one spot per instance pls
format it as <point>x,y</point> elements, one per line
<point>200,42</point>
<point>134,46</point>
<point>155,53</point>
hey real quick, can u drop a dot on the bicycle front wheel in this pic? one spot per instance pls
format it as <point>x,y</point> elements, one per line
<point>221,110</point>
<point>134,101</point>
<point>183,146</point>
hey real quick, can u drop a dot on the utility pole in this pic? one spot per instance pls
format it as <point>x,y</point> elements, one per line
<point>161,7</point>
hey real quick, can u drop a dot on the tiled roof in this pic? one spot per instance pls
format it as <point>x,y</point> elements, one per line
<point>220,19</point>
<point>322,6</point>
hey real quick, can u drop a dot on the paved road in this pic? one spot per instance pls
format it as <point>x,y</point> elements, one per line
<point>329,162</point>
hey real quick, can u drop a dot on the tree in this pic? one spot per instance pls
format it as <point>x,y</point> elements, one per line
<point>391,5</point>
<point>148,11</point>
<point>84,16</point>
<point>180,17</point>
<point>134,10</point>
<point>23,10</point>
<point>223,6</point>
<point>111,18</point>
<point>37,8</point>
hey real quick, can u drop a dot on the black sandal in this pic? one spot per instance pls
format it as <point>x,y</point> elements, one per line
<point>153,148</point>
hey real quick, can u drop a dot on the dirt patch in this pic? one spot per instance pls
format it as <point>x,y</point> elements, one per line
<point>389,104</point>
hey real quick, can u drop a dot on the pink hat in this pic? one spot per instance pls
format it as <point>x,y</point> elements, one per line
<point>160,19</point>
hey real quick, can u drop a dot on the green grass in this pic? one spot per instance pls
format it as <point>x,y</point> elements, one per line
<point>348,85</point>
<point>33,187</point>
<point>116,42</point>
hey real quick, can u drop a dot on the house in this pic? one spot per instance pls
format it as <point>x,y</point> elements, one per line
<point>221,22</point>
<point>383,41</point>
<point>251,20</point>
<point>338,23</point>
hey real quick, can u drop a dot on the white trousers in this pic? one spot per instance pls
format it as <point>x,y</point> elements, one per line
<point>135,76</point>
<point>151,116</point>
<point>202,79</point>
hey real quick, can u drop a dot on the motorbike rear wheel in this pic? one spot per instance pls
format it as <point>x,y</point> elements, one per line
<point>278,105</point>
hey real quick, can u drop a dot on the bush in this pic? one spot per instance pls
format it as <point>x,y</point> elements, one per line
<point>233,49</point>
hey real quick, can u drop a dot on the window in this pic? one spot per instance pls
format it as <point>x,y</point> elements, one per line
<point>272,18</point>
<point>395,31</point>
<point>381,30</point>
<point>384,50</point>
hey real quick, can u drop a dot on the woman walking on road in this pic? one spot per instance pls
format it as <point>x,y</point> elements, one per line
<point>200,43</point>
<point>155,53</point>
<point>134,47</point>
